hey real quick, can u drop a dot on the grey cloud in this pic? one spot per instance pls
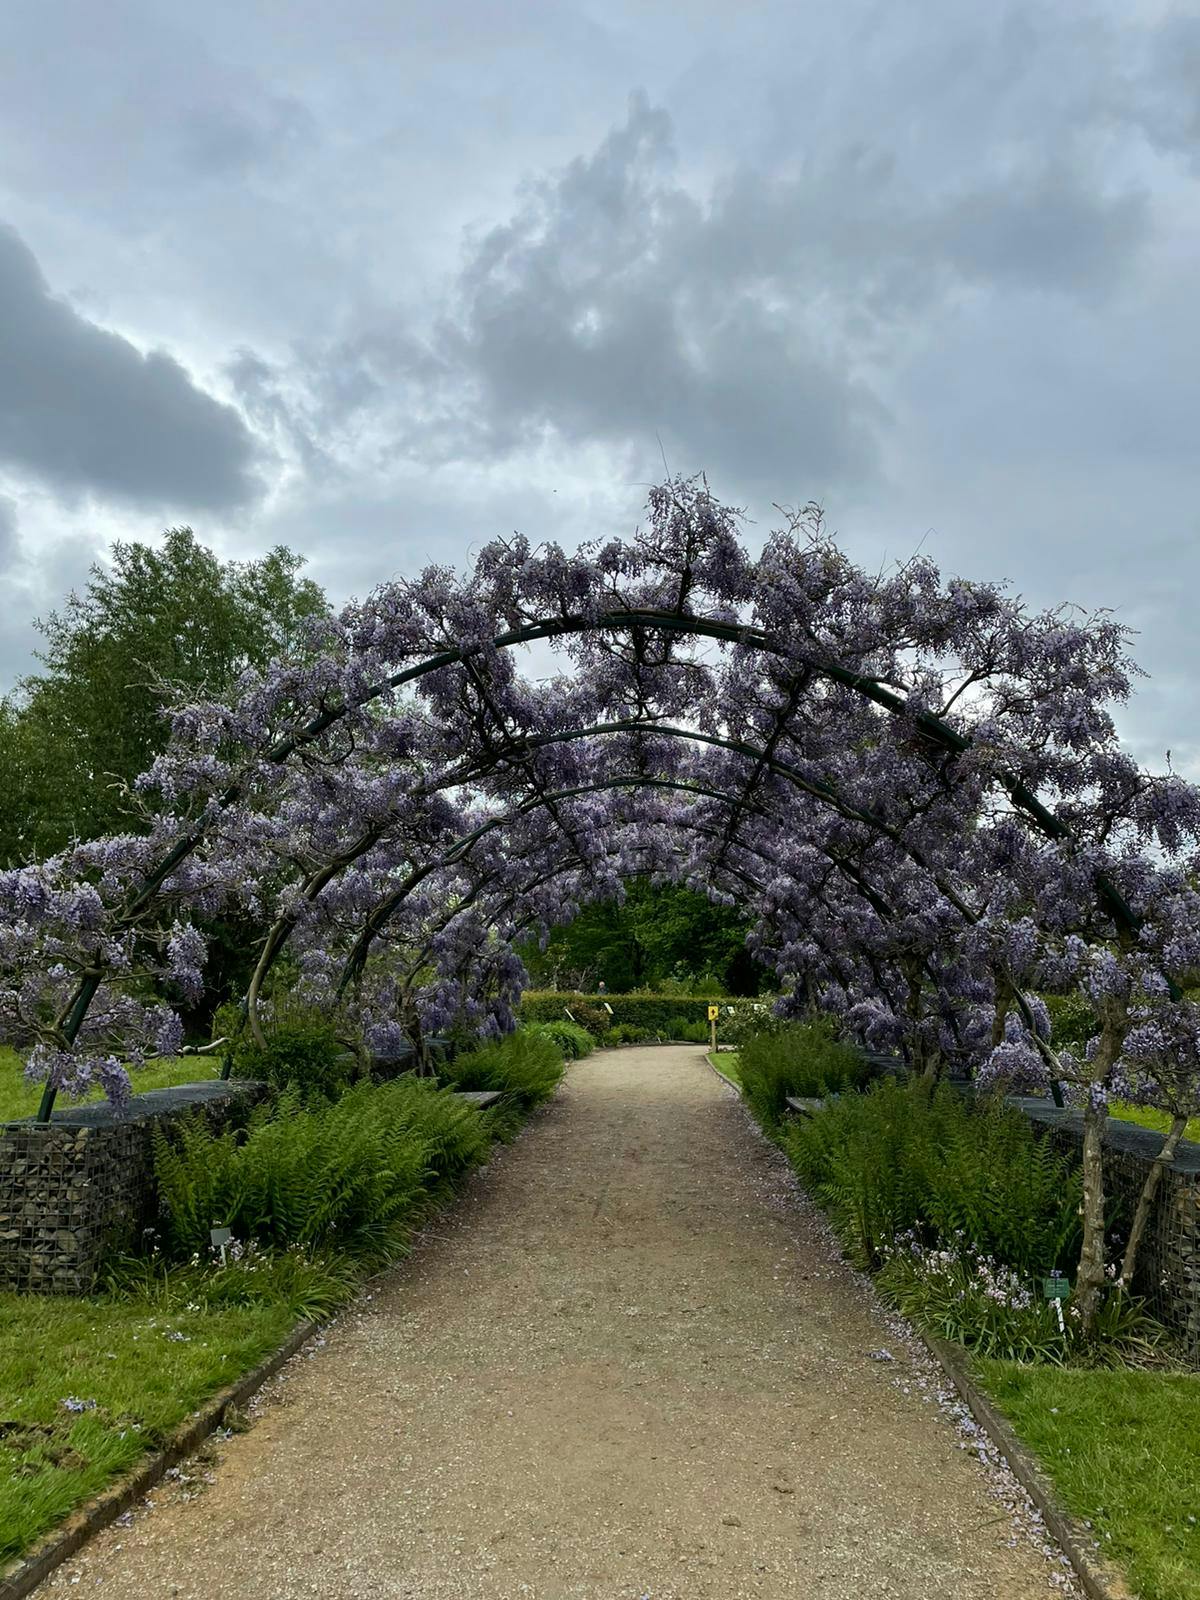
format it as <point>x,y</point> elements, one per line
<point>612,304</point>
<point>8,531</point>
<point>83,410</point>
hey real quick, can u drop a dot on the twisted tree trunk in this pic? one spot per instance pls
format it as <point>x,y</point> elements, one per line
<point>1150,1187</point>
<point>1089,1281</point>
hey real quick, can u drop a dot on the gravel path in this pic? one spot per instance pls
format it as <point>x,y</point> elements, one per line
<point>627,1366</point>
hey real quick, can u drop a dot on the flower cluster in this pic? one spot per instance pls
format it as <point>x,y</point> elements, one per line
<point>913,785</point>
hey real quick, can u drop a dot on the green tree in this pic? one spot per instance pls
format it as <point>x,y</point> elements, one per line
<point>661,932</point>
<point>92,720</point>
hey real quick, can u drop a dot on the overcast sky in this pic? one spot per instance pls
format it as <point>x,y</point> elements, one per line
<point>383,281</point>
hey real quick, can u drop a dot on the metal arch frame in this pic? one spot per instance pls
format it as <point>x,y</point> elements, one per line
<point>933,728</point>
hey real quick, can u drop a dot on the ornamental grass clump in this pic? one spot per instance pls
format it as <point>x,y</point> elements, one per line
<point>960,1294</point>
<point>801,1058</point>
<point>526,1065</point>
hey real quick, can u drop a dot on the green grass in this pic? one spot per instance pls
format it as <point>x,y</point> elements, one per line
<point>1123,1450</point>
<point>1145,1117</point>
<point>726,1063</point>
<point>118,1354</point>
<point>20,1099</point>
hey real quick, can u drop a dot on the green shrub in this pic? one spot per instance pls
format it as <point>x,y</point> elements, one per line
<point>1072,1021</point>
<point>957,1174</point>
<point>628,1033</point>
<point>526,1065</point>
<point>649,1011</point>
<point>353,1173</point>
<point>302,1048</point>
<point>744,1019</point>
<point>797,1058</point>
<point>574,1041</point>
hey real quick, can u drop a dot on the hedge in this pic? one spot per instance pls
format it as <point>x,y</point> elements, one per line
<point>650,1011</point>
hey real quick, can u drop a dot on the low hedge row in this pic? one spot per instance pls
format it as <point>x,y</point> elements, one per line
<point>650,1011</point>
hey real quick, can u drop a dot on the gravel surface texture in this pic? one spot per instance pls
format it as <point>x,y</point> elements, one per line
<point>628,1365</point>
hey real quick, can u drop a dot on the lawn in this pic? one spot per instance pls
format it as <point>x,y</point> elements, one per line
<point>1147,1118</point>
<point>131,1371</point>
<point>1123,1450</point>
<point>20,1099</point>
<point>726,1063</point>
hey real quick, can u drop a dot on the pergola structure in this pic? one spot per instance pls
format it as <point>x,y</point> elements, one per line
<point>913,786</point>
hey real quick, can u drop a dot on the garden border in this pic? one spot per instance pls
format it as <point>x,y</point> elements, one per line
<point>1100,1580</point>
<point>53,1548</point>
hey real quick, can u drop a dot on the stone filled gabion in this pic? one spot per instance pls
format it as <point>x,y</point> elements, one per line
<point>81,1187</point>
<point>1168,1273</point>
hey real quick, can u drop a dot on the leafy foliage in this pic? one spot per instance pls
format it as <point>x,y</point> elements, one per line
<point>526,1065</point>
<point>661,934</point>
<point>302,1050</point>
<point>1073,1020</point>
<point>628,1033</point>
<point>93,718</point>
<point>354,1173</point>
<point>911,1158</point>
<point>653,1013</point>
<point>979,1303</point>
<point>574,1041</point>
<point>803,1058</point>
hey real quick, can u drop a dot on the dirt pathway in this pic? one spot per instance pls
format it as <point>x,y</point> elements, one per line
<point>628,1364</point>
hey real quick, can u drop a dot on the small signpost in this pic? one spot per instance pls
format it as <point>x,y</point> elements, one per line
<point>1057,1289</point>
<point>607,1007</point>
<point>220,1238</point>
<point>713,1013</point>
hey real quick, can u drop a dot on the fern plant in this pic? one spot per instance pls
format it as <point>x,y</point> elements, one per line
<point>354,1173</point>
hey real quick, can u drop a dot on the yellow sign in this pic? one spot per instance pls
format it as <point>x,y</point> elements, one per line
<point>713,1013</point>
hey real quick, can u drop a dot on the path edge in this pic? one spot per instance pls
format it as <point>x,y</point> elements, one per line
<point>1099,1579</point>
<point>52,1549</point>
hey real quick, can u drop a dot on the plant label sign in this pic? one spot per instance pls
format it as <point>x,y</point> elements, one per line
<point>607,1007</point>
<point>1056,1288</point>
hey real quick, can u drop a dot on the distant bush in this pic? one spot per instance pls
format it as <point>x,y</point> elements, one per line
<point>797,1058</point>
<point>651,1012</point>
<point>527,1065</point>
<point>740,1020</point>
<point>574,1041</point>
<point>628,1033</point>
<point>1072,1021</point>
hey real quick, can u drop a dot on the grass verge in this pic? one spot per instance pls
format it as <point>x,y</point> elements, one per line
<point>726,1063</point>
<point>87,1386</point>
<point>20,1099</point>
<point>1147,1117</point>
<point>1123,1451</point>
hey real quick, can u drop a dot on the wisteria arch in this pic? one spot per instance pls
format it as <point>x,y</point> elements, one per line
<point>931,771</point>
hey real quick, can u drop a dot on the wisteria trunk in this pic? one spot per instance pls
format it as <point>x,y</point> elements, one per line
<point>1089,1281</point>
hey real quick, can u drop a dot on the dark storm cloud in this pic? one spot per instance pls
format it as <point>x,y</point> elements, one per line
<point>613,305</point>
<point>932,266</point>
<point>81,409</point>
